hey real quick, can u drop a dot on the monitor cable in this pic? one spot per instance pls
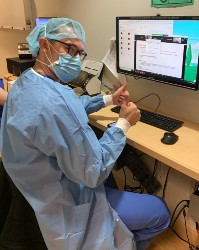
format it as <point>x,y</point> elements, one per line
<point>159,100</point>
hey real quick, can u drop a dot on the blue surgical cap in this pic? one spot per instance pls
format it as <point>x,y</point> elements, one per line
<point>56,28</point>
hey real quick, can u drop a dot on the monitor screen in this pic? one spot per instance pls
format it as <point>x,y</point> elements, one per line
<point>163,49</point>
<point>41,20</point>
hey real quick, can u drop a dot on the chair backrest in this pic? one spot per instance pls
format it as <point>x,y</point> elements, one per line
<point>19,228</point>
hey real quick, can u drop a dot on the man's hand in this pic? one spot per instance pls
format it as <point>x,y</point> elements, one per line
<point>120,94</point>
<point>130,112</point>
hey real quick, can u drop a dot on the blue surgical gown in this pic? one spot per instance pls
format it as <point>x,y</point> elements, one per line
<point>58,164</point>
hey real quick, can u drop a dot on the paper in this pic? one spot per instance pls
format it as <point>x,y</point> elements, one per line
<point>170,3</point>
<point>110,61</point>
<point>10,83</point>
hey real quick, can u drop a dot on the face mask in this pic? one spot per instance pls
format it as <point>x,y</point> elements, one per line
<point>67,67</point>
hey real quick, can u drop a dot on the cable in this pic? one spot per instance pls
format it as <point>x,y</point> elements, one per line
<point>185,222</point>
<point>108,87</point>
<point>154,171</point>
<point>182,239</point>
<point>124,176</point>
<point>191,247</point>
<point>137,77</point>
<point>171,225</point>
<point>197,238</point>
<point>148,96</point>
<point>129,188</point>
<point>165,184</point>
<point>155,167</point>
<point>178,215</point>
<point>134,189</point>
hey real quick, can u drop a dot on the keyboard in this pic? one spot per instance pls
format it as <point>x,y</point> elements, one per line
<point>156,120</point>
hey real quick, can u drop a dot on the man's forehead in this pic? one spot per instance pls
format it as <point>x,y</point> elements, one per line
<point>72,40</point>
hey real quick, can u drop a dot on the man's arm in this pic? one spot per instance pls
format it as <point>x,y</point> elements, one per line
<point>93,104</point>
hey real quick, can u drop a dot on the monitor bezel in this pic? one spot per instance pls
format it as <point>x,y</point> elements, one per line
<point>153,77</point>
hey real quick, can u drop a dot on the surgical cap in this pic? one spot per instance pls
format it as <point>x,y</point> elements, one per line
<point>56,28</point>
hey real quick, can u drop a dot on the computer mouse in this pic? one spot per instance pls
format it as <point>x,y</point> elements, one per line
<point>169,138</point>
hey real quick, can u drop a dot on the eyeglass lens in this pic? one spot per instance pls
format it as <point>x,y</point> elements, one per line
<point>73,50</point>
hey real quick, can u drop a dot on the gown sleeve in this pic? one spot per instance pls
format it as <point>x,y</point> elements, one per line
<point>92,104</point>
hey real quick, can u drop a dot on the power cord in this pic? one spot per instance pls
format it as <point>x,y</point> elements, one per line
<point>197,239</point>
<point>172,217</point>
<point>185,222</point>
<point>191,247</point>
<point>172,223</point>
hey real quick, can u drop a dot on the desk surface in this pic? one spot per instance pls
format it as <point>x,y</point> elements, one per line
<point>182,156</point>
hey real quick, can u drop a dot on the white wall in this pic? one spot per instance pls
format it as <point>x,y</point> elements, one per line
<point>98,19</point>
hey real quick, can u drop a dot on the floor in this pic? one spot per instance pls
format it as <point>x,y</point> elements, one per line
<point>168,241</point>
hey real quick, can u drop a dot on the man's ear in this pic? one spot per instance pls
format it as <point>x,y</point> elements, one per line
<point>43,43</point>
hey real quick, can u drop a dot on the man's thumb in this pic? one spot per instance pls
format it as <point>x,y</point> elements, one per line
<point>124,85</point>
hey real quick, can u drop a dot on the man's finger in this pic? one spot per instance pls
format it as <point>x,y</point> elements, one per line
<point>121,87</point>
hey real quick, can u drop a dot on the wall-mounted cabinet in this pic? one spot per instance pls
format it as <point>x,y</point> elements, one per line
<point>16,14</point>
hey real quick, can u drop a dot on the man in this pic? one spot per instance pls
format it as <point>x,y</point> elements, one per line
<point>55,160</point>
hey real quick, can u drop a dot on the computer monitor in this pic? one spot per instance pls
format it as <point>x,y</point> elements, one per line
<point>160,48</point>
<point>42,20</point>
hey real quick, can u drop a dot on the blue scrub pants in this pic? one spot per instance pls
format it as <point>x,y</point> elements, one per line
<point>145,215</point>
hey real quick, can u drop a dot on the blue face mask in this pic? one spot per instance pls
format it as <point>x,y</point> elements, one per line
<point>66,67</point>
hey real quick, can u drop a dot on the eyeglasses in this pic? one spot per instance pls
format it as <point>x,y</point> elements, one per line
<point>73,50</point>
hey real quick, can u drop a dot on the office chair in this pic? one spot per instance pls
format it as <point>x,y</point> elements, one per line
<point>19,229</point>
